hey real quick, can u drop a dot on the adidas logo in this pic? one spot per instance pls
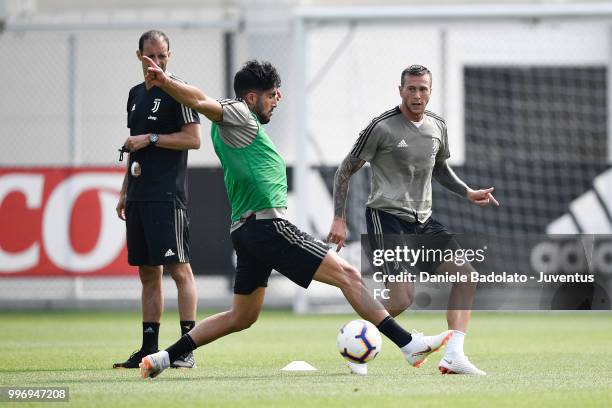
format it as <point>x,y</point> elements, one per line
<point>402,144</point>
<point>589,213</point>
<point>133,107</point>
<point>169,253</point>
<point>149,330</point>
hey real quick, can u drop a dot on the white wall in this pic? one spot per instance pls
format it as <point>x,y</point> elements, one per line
<point>363,81</point>
<point>34,108</point>
<point>358,85</point>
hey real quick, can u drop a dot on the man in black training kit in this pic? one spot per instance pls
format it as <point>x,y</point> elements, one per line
<point>153,199</point>
<point>256,182</point>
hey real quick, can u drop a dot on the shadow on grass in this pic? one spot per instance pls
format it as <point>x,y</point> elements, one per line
<point>208,378</point>
<point>229,378</point>
<point>103,375</point>
<point>49,370</point>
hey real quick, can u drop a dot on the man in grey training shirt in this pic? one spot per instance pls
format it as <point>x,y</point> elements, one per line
<point>406,146</point>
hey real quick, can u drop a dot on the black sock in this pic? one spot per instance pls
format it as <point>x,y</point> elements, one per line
<point>394,332</point>
<point>150,334</point>
<point>186,326</point>
<point>183,346</point>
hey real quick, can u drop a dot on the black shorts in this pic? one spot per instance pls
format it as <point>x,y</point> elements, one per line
<point>263,245</point>
<point>157,233</point>
<point>386,231</point>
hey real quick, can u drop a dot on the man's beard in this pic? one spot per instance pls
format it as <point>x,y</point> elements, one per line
<point>263,119</point>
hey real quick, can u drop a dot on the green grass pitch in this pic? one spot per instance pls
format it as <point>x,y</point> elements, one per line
<point>533,359</point>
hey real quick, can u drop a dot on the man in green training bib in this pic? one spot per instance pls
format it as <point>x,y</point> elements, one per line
<point>256,181</point>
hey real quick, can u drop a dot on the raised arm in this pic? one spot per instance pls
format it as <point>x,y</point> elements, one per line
<point>183,93</point>
<point>444,175</point>
<point>349,166</point>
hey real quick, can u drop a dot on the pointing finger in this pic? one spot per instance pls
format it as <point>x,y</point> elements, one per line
<point>340,245</point>
<point>149,61</point>
<point>493,199</point>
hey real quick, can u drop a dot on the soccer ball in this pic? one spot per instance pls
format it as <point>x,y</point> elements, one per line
<point>359,341</point>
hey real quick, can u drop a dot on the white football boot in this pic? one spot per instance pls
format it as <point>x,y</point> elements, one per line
<point>153,364</point>
<point>458,365</point>
<point>421,346</point>
<point>359,369</point>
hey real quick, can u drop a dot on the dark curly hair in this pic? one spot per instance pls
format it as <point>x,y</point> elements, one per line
<point>255,76</point>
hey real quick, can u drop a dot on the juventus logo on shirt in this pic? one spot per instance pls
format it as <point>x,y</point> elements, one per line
<point>156,103</point>
<point>434,147</point>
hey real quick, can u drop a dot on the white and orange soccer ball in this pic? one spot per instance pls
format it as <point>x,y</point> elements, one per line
<point>359,341</point>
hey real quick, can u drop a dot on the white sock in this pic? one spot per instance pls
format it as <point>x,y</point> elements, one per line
<point>359,369</point>
<point>455,344</point>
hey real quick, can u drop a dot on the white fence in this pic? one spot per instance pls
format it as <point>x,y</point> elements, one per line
<point>65,80</point>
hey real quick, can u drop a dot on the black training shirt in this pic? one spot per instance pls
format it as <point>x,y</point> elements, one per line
<point>163,171</point>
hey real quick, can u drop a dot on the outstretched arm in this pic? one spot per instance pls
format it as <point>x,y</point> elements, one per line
<point>185,94</point>
<point>447,177</point>
<point>349,166</point>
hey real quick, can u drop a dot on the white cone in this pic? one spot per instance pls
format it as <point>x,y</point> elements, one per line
<point>298,366</point>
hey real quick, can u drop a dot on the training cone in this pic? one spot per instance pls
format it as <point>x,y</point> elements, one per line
<point>298,366</point>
